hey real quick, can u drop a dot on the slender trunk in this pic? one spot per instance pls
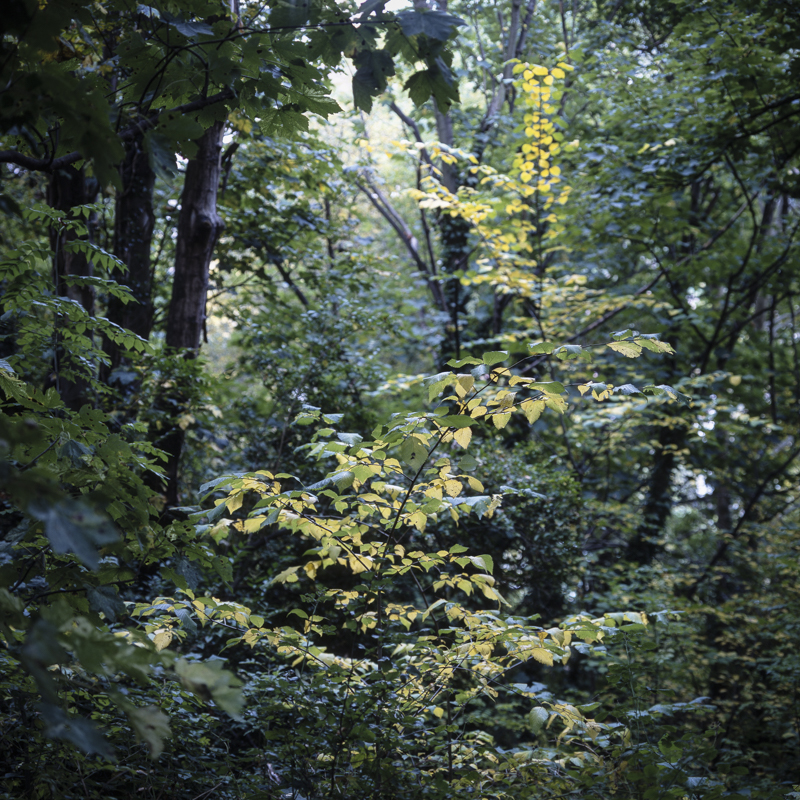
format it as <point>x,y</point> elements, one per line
<point>134,220</point>
<point>199,227</point>
<point>67,189</point>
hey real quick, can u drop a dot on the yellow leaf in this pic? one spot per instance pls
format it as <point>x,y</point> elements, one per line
<point>532,409</point>
<point>453,487</point>
<point>311,569</point>
<point>253,524</point>
<point>438,712</point>
<point>628,349</point>
<point>500,420</point>
<point>435,491</point>
<point>162,639</point>
<point>475,484</point>
<point>359,564</point>
<point>558,73</point>
<point>542,656</point>
<point>463,436</point>
<point>418,519</point>
<point>465,384</point>
<point>234,502</point>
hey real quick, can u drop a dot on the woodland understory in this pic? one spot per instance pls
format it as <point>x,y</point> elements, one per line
<point>400,401</point>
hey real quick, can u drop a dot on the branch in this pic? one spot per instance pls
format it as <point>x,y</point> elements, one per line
<point>382,205</point>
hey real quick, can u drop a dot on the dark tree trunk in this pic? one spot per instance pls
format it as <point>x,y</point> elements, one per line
<point>68,188</point>
<point>134,220</point>
<point>199,227</point>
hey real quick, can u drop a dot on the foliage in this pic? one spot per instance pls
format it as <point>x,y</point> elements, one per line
<point>495,428</point>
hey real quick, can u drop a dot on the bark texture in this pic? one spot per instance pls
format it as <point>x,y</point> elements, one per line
<point>69,187</point>
<point>199,227</point>
<point>133,237</point>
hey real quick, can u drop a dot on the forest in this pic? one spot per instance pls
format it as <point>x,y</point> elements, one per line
<point>400,399</point>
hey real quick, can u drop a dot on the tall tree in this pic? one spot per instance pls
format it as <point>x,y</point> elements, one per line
<point>199,228</point>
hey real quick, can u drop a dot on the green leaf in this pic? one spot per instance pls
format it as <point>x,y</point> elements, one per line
<point>626,388</point>
<point>373,68</point>
<point>537,717</point>
<point>484,562</point>
<point>436,383</point>
<point>209,681</point>
<point>653,345</point>
<point>73,527</point>
<point>462,362</point>
<point>349,438</point>
<point>75,730</point>
<point>456,421</point>
<point>434,24</point>
<point>544,348</point>
<point>494,357</point>
<point>104,599</point>
<point>568,352</point>
<point>413,452</point>
<point>436,82</point>
<point>151,726</point>
<point>673,394</point>
<point>549,387</point>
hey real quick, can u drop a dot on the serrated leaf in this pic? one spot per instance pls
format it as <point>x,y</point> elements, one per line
<point>413,452</point>
<point>627,349</point>
<point>568,352</point>
<point>453,487</point>
<point>192,29</point>
<point>484,562</point>
<point>543,348</point>
<point>537,717</point>
<point>542,656</point>
<point>151,726</point>
<point>73,527</point>
<point>433,24</point>
<point>673,394</point>
<point>654,345</point>
<point>532,409</point>
<point>549,387</point>
<point>617,335</point>
<point>209,681</point>
<point>349,438</point>
<point>456,421</point>
<point>463,362</point>
<point>494,357</point>
<point>76,730</point>
<point>463,437</point>
<point>104,599</point>
<point>373,68</point>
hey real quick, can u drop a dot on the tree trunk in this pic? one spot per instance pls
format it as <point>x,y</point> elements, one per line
<point>199,227</point>
<point>134,220</point>
<point>68,188</point>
